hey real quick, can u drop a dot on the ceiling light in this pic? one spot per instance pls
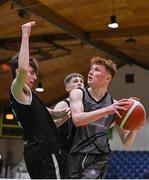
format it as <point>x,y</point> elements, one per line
<point>130,40</point>
<point>39,88</point>
<point>113,23</point>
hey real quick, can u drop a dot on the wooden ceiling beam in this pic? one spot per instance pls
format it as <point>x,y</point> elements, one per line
<point>37,38</point>
<point>118,54</point>
<point>125,32</point>
<point>52,17</point>
<point>97,44</point>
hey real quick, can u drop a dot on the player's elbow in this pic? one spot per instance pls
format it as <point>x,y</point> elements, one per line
<point>76,120</point>
<point>76,123</point>
<point>23,70</point>
<point>127,143</point>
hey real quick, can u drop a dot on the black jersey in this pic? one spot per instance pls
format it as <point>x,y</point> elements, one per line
<point>37,124</point>
<point>93,138</point>
<point>67,132</point>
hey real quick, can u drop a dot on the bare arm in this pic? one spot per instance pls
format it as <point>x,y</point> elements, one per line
<point>127,137</point>
<point>81,118</point>
<point>23,63</point>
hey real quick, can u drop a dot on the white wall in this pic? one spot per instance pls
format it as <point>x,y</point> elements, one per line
<point>140,88</point>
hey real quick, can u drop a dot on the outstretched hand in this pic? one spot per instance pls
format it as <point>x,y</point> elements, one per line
<point>64,113</point>
<point>26,28</point>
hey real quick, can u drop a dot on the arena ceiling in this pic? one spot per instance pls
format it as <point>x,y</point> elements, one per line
<point>68,33</point>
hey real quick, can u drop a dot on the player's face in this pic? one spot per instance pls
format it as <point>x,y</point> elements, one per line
<point>75,82</point>
<point>31,77</point>
<point>98,75</point>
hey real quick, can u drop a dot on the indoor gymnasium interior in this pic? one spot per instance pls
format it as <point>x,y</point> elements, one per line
<point>67,34</point>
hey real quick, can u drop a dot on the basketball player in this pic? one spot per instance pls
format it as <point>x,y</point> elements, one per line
<point>67,130</point>
<point>92,111</point>
<point>41,142</point>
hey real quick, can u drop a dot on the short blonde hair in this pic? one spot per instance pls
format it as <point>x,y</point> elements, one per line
<point>107,63</point>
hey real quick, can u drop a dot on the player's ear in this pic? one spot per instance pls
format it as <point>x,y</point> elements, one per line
<point>67,88</point>
<point>108,78</point>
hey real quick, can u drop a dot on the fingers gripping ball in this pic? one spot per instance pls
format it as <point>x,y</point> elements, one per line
<point>133,117</point>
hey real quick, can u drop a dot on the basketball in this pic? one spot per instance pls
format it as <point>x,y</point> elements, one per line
<point>133,117</point>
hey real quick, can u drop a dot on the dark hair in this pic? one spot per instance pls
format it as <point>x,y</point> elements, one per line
<point>107,63</point>
<point>70,76</point>
<point>14,64</point>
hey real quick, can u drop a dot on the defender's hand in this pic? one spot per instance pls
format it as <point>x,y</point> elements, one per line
<point>26,28</point>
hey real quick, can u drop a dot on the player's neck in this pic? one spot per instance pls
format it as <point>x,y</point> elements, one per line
<point>97,94</point>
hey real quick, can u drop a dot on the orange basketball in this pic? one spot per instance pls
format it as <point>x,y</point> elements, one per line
<point>132,118</point>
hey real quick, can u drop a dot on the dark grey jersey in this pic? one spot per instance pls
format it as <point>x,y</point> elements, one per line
<point>93,138</point>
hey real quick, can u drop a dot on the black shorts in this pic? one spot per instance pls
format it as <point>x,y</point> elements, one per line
<point>40,163</point>
<point>87,166</point>
<point>63,163</point>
